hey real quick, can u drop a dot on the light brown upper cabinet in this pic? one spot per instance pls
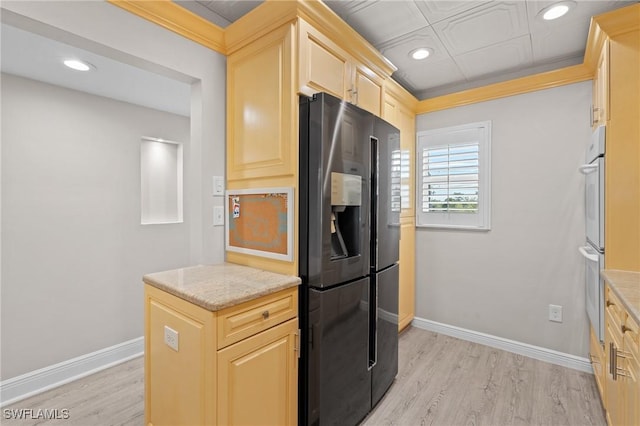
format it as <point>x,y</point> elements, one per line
<point>325,67</point>
<point>600,92</point>
<point>261,102</point>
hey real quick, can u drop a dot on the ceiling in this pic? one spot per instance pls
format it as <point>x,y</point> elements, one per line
<point>30,55</point>
<point>473,42</point>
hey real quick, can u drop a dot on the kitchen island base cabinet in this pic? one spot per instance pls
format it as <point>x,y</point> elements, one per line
<point>194,377</point>
<point>255,374</point>
<point>178,383</point>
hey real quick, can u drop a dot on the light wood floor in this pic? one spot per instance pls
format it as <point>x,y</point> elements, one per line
<point>442,381</point>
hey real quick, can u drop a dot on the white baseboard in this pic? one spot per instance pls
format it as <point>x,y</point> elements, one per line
<point>531,351</point>
<point>44,379</point>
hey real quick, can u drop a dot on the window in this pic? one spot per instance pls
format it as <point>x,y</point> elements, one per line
<point>454,177</point>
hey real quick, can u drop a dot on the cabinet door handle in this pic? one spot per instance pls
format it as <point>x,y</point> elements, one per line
<point>614,361</point>
<point>611,358</point>
<point>265,315</point>
<point>624,329</point>
<point>610,303</point>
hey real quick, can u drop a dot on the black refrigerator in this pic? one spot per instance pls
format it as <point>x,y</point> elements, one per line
<point>349,247</point>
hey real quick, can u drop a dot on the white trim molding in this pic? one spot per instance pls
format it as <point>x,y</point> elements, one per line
<point>38,381</point>
<point>525,349</point>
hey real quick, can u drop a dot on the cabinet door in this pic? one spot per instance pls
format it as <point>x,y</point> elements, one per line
<point>406,120</point>
<point>614,388</point>
<point>407,287</point>
<point>403,118</point>
<point>631,342</point>
<point>390,110</point>
<point>323,66</point>
<point>258,379</point>
<point>178,380</point>
<point>367,90</point>
<point>632,411</point>
<point>261,104</point>
<point>601,88</point>
<point>596,353</point>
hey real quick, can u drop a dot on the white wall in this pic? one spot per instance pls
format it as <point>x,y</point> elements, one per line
<point>501,282</point>
<point>74,249</point>
<point>71,271</point>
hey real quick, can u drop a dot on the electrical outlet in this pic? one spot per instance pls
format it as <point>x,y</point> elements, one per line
<point>171,338</point>
<point>555,313</point>
<point>218,215</point>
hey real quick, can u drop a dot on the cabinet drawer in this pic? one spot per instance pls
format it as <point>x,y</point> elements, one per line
<point>244,320</point>
<point>632,337</point>
<point>613,307</point>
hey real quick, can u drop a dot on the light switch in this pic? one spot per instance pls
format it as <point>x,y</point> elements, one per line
<point>218,216</point>
<point>218,185</point>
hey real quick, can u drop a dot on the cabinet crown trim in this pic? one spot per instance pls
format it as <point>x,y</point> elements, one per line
<point>609,24</point>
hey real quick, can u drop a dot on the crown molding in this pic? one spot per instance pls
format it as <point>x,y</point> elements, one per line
<point>326,20</point>
<point>403,95</point>
<point>609,25</point>
<point>532,83</point>
<point>176,18</point>
<point>274,13</point>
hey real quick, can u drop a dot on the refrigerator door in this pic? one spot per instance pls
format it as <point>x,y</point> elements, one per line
<point>339,383</point>
<point>334,190</point>
<point>385,195</point>
<point>385,368</point>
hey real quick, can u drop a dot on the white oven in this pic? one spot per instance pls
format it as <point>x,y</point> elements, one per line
<point>593,250</point>
<point>594,288</point>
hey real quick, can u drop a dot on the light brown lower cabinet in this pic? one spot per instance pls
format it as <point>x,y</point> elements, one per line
<point>236,366</point>
<point>596,354</point>
<point>622,366</point>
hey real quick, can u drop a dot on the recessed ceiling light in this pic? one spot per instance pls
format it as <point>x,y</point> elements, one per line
<point>420,53</point>
<point>78,65</point>
<point>556,10</point>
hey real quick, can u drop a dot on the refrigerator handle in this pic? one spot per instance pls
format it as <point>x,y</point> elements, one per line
<point>373,323</point>
<point>373,199</point>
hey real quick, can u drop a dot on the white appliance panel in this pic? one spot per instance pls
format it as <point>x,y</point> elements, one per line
<point>594,203</point>
<point>594,289</point>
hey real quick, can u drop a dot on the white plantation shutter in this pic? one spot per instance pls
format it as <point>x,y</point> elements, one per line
<point>396,181</point>
<point>450,178</point>
<point>453,177</point>
<point>405,175</point>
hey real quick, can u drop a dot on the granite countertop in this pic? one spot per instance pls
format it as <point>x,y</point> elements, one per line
<point>215,287</point>
<point>625,285</point>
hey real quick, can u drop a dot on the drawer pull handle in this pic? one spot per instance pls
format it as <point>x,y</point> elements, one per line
<point>624,329</point>
<point>265,314</point>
